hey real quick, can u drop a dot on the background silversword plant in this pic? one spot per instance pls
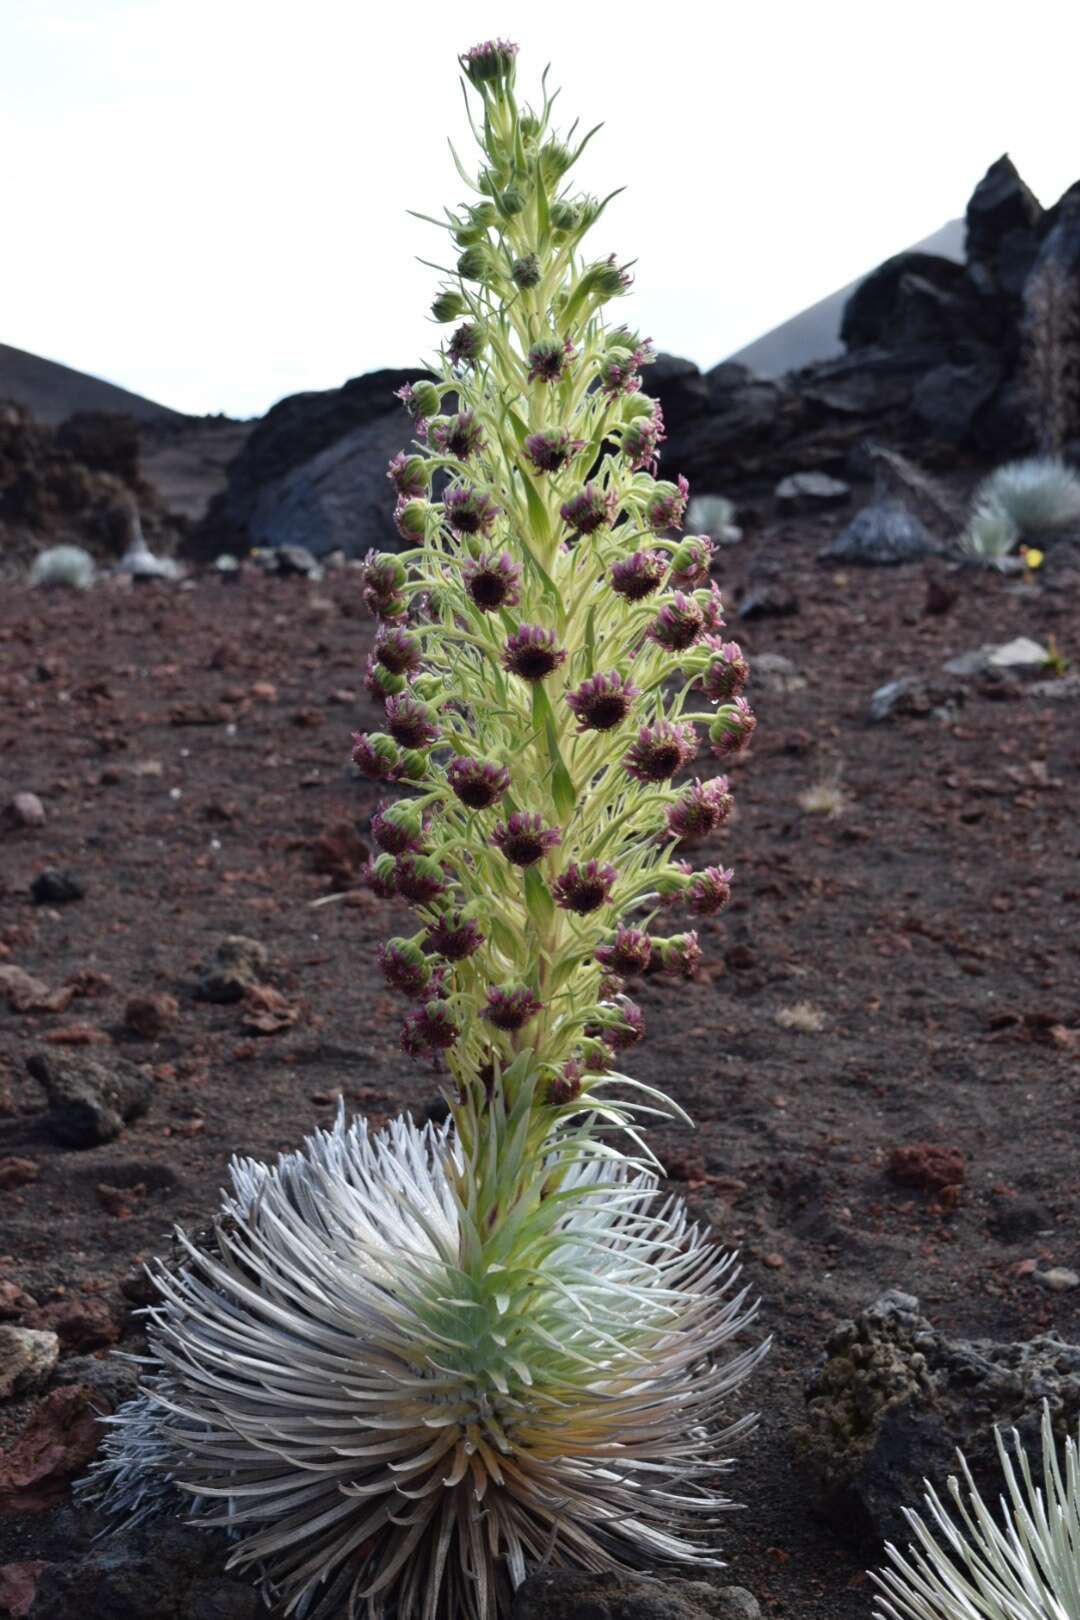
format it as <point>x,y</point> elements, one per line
<point>1021,1563</point>
<point>406,1366</point>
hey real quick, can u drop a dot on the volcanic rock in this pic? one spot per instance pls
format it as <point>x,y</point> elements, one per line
<point>238,963</point>
<point>27,1358</point>
<point>90,1098</point>
<point>882,534</point>
<point>558,1594</point>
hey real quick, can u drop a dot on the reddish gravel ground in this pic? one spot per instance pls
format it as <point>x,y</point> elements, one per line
<point>188,748</point>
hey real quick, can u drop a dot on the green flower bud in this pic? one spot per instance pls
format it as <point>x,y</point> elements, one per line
<point>383,873</point>
<point>483,214</point>
<point>529,126</point>
<point>414,765</point>
<point>448,306</point>
<point>512,201</point>
<point>474,264</point>
<point>468,235</point>
<point>526,271</point>
<point>412,519</point>
<point>564,216</point>
<point>426,399</point>
<point>637,405</point>
<point>555,159</point>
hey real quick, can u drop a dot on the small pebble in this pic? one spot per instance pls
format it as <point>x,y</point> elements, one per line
<point>53,888</point>
<point>1059,1278</point>
<point>26,810</point>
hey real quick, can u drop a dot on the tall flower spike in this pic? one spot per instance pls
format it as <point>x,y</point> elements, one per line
<point>392,1377</point>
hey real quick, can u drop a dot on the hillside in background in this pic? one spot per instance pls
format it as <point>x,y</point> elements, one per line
<point>814,334</point>
<point>52,392</point>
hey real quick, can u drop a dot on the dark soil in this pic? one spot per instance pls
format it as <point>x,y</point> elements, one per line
<point>189,748</point>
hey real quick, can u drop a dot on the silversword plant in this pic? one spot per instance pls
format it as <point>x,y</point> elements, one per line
<point>408,1366</point>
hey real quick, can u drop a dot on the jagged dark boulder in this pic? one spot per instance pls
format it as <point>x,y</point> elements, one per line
<point>909,297</point>
<point>1001,237</point>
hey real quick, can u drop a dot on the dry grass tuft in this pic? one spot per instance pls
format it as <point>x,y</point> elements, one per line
<point>803,1016</point>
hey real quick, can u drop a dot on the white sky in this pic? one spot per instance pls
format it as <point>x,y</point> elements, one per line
<point>205,200</point>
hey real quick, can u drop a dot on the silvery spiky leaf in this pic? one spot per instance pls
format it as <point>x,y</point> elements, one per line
<point>991,533</point>
<point>1021,1564</point>
<point>395,1394</point>
<point>1040,494</point>
<point>63,565</point>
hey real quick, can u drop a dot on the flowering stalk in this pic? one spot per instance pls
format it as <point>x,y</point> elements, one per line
<point>550,653</point>
<point>410,1365</point>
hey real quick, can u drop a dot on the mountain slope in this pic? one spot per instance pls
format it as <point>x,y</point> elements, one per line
<point>52,391</point>
<point>814,334</point>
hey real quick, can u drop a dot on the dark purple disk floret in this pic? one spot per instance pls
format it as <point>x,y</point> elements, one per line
<point>396,828</point>
<point>410,722</point>
<point>642,439</point>
<point>381,876</point>
<point>466,346</point>
<point>477,782</point>
<point>732,728</point>
<point>469,510</point>
<point>668,505</point>
<point>623,1031</point>
<point>524,839</point>
<point>405,967</point>
<point>511,1006</point>
<point>551,450</point>
<point>382,580</point>
<point>638,575</point>
<point>678,624</point>
<point>628,954</point>
<point>700,809</point>
<point>548,359</point>
<point>661,750</point>
<point>493,582</point>
<point>419,878</point>
<point>409,475</point>
<point>429,1029</point>
<point>397,650</point>
<point>590,509</point>
<point>709,890</point>
<point>377,755</point>
<point>453,936</point>
<point>727,674</point>
<point>459,436</point>
<point>711,604</point>
<point>532,652</point>
<point>603,701</point>
<point>565,1087</point>
<point>584,888</point>
<point>691,562</point>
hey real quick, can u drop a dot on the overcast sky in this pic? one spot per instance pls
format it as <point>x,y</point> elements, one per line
<point>204,200</point>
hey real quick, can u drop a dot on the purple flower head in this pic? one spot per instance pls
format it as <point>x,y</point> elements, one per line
<point>626,355</point>
<point>469,510</point>
<point>525,272</point>
<point>381,876</point>
<point>610,986</point>
<point>405,967</point>
<point>678,624</point>
<point>493,582</point>
<point>409,475</point>
<point>590,509</point>
<point>477,782</point>
<point>379,684</point>
<point>661,750</point>
<point>603,701</point>
<point>642,439</point>
<point>466,345</point>
<point>548,360</point>
<point>532,652</point>
<point>410,722</point>
<point>727,674</point>
<point>668,505</point>
<point>510,1006</point>
<point>383,578</point>
<point>550,451</point>
<point>700,809</point>
<point>565,1087</point>
<point>628,954</point>
<point>489,63</point>
<point>397,650</point>
<point>410,520</point>
<point>524,839</point>
<point>397,827</point>
<point>732,728</point>
<point>709,890</point>
<point>419,878</point>
<point>637,576</point>
<point>680,954</point>
<point>691,561</point>
<point>584,888</point>
<point>421,400</point>
<point>459,436</point>
<point>711,603</point>
<point>621,1028</point>
<point>377,755</point>
<point>454,936</point>
<point>429,1029</point>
